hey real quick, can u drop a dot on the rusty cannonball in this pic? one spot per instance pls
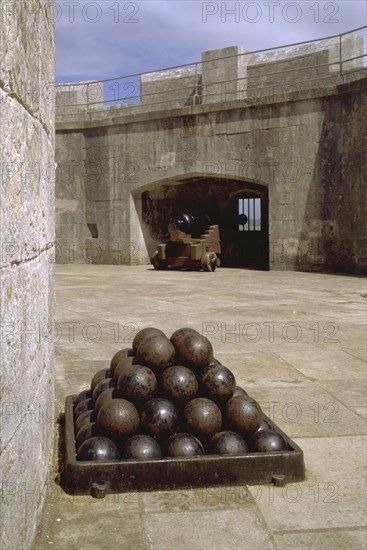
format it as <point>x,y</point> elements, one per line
<point>102,386</point>
<point>228,443</point>
<point>267,441</point>
<point>214,362</point>
<point>85,394</point>
<point>217,383</point>
<point>142,447</point>
<point>118,417</point>
<point>202,417</point>
<point>184,445</point>
<point>121,354</point>
<point>106,395</point>
<point>263,426</point>
<point>85,405</point>
<point>193,349</point>
<point>185,332</point>
<point>179,384</point>
<point>159,417</point>
<point>100,375</point>
<point>84,418</point>
<point>243,413</point>
<point>137,383</point>
<point>124,363</point>
<point>88,430</point>
<point>156,352</point>
<point>143,334</point>
<point>239,391</point>
<point>99,449</point>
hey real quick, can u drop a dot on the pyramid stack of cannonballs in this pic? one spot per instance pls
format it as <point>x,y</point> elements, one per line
<point>168,398</point>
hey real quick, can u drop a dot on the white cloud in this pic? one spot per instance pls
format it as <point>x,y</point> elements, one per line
<point>170,33</point>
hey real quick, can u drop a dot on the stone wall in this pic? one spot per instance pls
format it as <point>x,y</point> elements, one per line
<point>27,175</point>
<point>84,96</point>
<point>221,71</point>
<point>307,147</point>
<point>234,73</point>
<point>172,88</point>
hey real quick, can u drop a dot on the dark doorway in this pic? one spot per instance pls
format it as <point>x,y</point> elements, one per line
<point>250,228</point>
<point>219,200</point>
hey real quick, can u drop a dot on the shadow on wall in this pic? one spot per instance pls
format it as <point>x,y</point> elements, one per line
<point>337,201</point>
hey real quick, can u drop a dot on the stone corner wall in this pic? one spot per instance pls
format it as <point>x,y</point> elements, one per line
<point>27,177</point>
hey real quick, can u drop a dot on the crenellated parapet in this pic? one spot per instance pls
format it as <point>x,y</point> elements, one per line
<point>222,75</point>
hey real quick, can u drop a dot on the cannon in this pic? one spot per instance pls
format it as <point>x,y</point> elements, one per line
<point>194,226</point>
<point>193,244</point>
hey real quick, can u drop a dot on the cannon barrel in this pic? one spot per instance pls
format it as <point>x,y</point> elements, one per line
<point>192,225</point>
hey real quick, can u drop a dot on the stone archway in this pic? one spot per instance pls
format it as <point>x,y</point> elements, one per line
<point>202,195</point>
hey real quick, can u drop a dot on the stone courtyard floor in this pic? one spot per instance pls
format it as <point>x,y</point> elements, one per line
<point>295,341</point>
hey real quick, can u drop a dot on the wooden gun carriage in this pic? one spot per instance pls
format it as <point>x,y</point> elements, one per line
<point>183,251</point>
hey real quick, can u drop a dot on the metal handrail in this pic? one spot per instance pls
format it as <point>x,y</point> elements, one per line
<point>218,82</point>
<point>132,105</point>
<point>195,73</point>
<point>214,59</point>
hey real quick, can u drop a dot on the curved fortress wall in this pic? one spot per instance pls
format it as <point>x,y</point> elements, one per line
<point>303,139</point>
<point>27,245</point>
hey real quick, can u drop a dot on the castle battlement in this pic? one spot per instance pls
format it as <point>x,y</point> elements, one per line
<point>222,75</point>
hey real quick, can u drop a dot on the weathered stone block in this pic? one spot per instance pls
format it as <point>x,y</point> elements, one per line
<point>27,179</point>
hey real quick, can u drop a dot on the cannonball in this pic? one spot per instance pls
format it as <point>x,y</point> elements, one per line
<point>88,430</point>
<point>239,391</point>
<point>228,443</point>
<point>202,417</point>
<point>143,334</point>
<point>124,363</point>
<point>100,449</point>
<point>184,445</point>
<point>121,354</point>
<point>214,362</point>
<point>118,417</point>
<point>142,447</point>
<point>85,405</point>
<point>100,375</point>
<point>243,413</point>
<point>156,352</point>
<point>183,333</point>
<point>137,383</point>
<point>84,418</point>
<point>263,426</point>
<point>102,386</point>
<point>106,395</point>
<point>179,384</point>
<point>267,441</point>
<point>85,394</point>
<point>159,417</point>
<point>194,350</point>
<point>217,383</point>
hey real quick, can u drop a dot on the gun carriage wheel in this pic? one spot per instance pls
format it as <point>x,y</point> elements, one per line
<point>210,261</point>
<point>154,260</point>
<point>194,248</point>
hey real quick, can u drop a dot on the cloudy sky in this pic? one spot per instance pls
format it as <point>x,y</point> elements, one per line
<point>110,38</point>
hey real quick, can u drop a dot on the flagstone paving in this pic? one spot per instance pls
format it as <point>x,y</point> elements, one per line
<point>296,341</point>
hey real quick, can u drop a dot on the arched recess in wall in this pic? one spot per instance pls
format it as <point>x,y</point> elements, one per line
<point>219,198</point>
